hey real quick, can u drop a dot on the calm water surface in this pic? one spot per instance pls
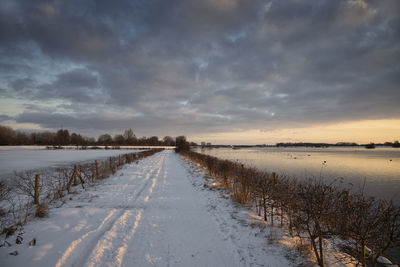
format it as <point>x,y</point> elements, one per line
<point>376,170</point>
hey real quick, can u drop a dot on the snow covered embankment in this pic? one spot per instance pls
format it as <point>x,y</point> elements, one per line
<point>148,214</point>
<point>19,193</point>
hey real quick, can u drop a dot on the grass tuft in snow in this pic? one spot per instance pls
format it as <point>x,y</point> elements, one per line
<point>41,210</point>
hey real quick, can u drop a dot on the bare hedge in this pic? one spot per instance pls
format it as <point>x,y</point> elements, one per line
<point>311,209</point>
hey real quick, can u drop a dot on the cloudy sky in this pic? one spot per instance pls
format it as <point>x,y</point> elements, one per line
<point>226,71</point>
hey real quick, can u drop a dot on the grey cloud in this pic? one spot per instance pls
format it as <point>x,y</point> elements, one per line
<point>95,123</point>
<point>22,84</point>
<point>202,66</point>
<point>5,118</point>
<point>78,85</point>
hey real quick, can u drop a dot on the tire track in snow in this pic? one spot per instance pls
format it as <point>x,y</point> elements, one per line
<point>75,243</point>
<point>111,248</point>
<point>122,249</point>
<point>104,249</point>
<point>154,180</point>
<point>113,218</point>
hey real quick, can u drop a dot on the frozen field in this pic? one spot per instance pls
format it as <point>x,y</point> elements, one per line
<point>155,213</point>
<point>36,157</point>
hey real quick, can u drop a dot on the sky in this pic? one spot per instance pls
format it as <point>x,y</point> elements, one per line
<point>226,71</point>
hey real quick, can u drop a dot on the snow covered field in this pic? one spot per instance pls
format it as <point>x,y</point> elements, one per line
<point>154,213</point>
<point>20,158</point>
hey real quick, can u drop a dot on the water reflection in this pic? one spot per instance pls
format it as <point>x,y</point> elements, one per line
<point>377,170</point>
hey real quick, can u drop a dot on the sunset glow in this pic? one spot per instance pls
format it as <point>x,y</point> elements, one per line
<point>362,132</point>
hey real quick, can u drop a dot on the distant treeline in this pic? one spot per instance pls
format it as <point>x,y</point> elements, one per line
<point>392,144</point>
<point>62,137</point>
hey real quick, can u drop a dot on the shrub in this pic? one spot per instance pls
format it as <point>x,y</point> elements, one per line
<point>41,210</point>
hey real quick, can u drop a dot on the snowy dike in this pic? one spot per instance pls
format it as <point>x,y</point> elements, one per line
<point>158,212</point>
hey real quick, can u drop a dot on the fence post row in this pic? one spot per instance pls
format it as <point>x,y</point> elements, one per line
<point>113,166</point>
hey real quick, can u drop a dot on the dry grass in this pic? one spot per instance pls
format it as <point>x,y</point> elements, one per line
<point>41,211</point>
<point>9,231</point>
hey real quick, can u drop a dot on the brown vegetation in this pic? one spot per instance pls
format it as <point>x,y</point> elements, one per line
<point>41,210</point>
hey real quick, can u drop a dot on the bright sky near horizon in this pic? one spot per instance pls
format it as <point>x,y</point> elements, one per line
<point>228,71</point>
<point>361,132</point>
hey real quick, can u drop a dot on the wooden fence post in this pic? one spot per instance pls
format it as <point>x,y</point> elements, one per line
<point>80,178</point>
<point>37,181</point>
<point>75,174</point>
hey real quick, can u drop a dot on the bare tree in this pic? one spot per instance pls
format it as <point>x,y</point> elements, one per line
<point>104,139</point>
<point>63,137</point>
<point>181,144</point>
<point>168,141</point>
<point>130,137</point>
<point>6,135</point>
<point>153,141</point>
<point>119,139</point>
<point>386,235</point>
<point>361,222</point>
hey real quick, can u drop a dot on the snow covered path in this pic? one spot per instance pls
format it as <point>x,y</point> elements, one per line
<point>148,214</point>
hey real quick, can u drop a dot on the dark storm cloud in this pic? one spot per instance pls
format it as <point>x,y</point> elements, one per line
<point>5,118</point>
<point>201,65</point>
<point>77,85</point>
<point>92,123</point>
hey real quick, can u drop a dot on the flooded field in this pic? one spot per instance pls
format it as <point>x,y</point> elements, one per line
<point>375,170</point>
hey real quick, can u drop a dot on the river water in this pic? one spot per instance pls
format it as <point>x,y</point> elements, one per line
<point>376,171</point>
